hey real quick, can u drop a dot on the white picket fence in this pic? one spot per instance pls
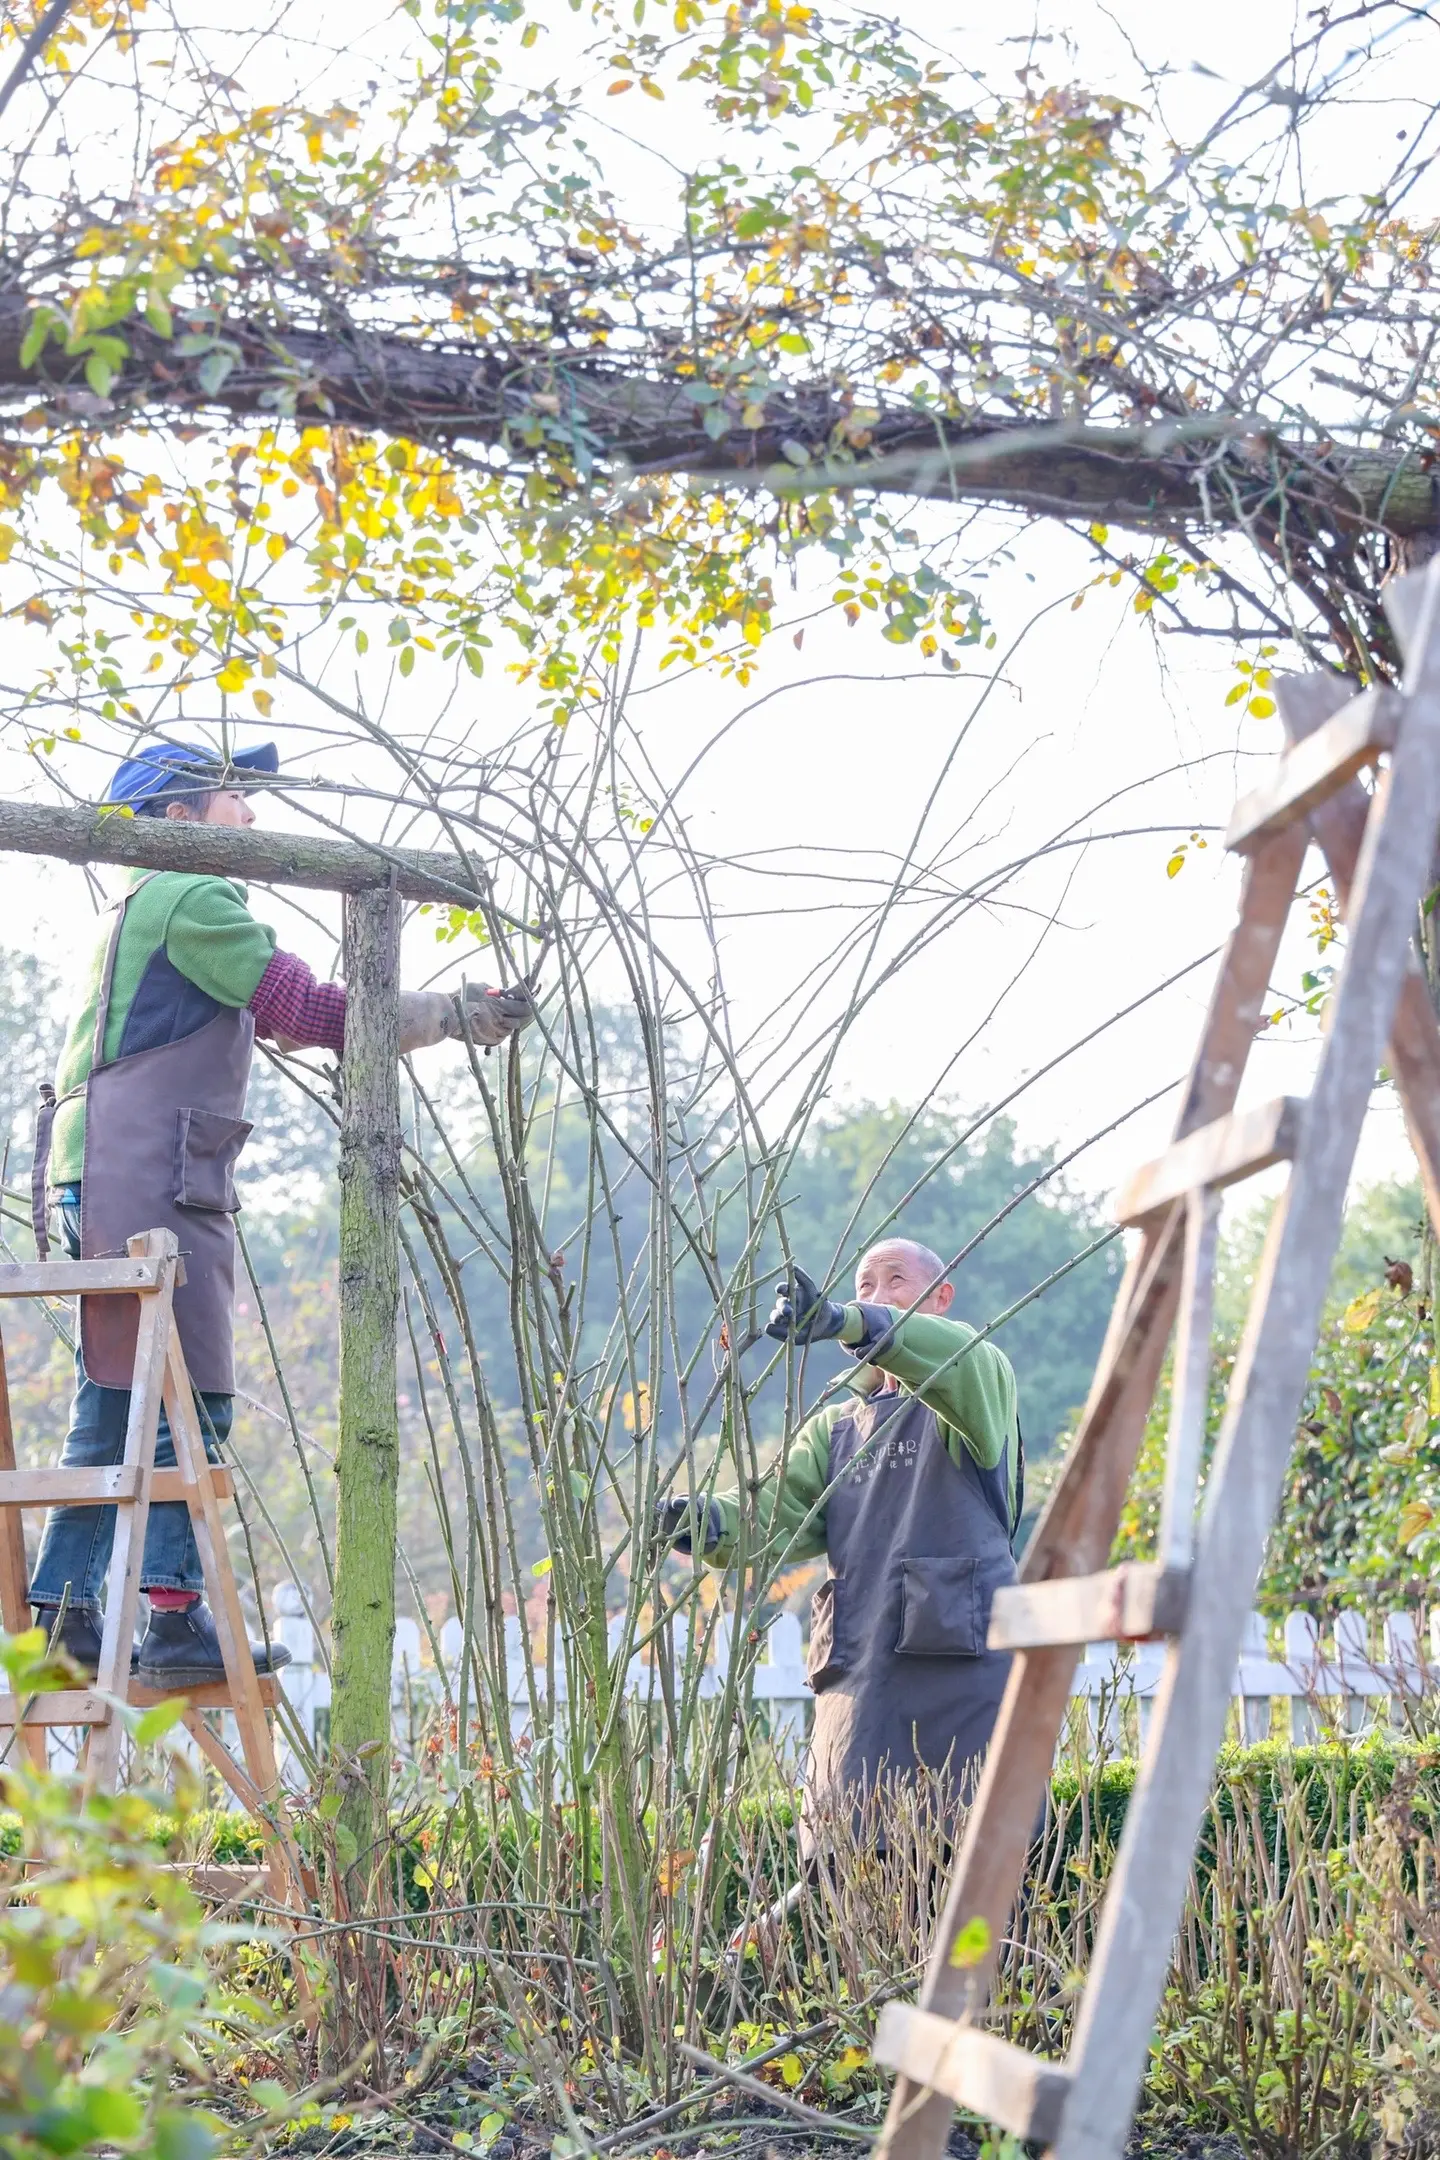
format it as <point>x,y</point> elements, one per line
<point>1347,1683</point>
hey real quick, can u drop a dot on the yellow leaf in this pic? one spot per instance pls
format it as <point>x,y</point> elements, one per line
<point>652,89</point>
<point>1260,708</point>
<point>846,2063</point>
<point>234,675</point>
<point>670,1871</point>
<point>1434,1402</point>
<point>264,702</point>
<point>616,88</point>
<point>1176,863</point>
<point>791,2069</point>
<point>1415,1519</point>
<point>36,610</point>
<point>1360,1313</point>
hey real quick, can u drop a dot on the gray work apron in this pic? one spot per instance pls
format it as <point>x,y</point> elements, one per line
<point>163,1129</point>
<point>897,1654</point>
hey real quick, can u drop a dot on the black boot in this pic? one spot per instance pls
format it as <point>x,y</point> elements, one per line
<point>182,1650</point>
<point>78,1635</point>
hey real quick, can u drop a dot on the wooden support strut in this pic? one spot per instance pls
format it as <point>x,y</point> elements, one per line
<point>131,1487</point>
<point>1379,846</point>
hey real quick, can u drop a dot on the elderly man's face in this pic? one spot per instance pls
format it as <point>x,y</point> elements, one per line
<point>896,1275</point>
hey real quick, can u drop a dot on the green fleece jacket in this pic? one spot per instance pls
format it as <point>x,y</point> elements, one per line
<point>971,1390</point>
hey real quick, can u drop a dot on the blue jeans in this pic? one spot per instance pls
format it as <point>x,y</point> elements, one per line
<point>75,1545</point>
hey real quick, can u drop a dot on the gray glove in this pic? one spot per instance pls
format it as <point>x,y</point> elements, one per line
<point>428,1017</point>
<point>800,1314</point>
<point>674,1525</point>
<point>492,1016</point>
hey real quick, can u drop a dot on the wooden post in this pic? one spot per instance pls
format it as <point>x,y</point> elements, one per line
<point>368,1462</point>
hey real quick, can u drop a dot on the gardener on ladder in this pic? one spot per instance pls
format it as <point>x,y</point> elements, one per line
<point>145,1135</point>
<point>915,1492</point>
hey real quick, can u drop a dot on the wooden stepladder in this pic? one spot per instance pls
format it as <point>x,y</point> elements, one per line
<point>131,1486</point>
<point>1380,847</point>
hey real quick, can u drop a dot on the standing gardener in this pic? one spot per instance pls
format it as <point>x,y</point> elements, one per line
<point>914,1488</point>
<point>144,1135</point>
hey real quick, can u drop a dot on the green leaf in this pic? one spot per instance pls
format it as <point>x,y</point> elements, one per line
<point>177,1988</point>
<point>542,1567</point>
<point>42,322</point>
<point>330,1807</point>
<point>407,660</point>
<point>99,374</point>
<point>154,1723</point>
<point>971,1944</point>
<point>108,2113</point>
<point>213,370</point>
<point>185,2134</point>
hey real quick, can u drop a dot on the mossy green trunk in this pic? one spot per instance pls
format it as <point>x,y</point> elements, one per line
<point>367,1464</point>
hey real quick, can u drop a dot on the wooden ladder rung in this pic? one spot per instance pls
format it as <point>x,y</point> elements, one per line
<point>977,2070</point>
<point>71,1278</point>
<point>1317,768</point>
<point>1218,1154</point>
<point>77,1706</point>
<point>203,1698</point>
<point>166,1485</point>
<point>116,1485</point>
<point>1124,1604</point>
<point>62,1706</point>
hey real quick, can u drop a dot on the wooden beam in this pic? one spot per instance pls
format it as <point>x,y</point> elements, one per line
<point>1231,1148</point>
<point>166,1485</point>
<point>978,2070</point>
<point>67,1278</point>
<point>115,1482</point>
<point>1312,771</point>
<point>216,1695</point>
<point>1125,1603</point>
<point>267,858</point>
<point>59,1706</point>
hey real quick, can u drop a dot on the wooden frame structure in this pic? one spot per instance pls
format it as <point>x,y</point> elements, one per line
<point>1379,846</point>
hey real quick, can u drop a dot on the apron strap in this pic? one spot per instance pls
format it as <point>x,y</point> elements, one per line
<point>45,1116</point>
<point>39,1171</point>
<point>102,1003</point>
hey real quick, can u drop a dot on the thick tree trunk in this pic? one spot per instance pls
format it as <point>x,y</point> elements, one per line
<point>1204,472</point>
<point>368,1463</point>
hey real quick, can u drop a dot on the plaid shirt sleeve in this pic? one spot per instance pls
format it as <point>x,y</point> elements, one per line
<point>289,1001</point>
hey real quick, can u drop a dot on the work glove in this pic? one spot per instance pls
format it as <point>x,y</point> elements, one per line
<point>800,1314</point>
<point>493,1016</point>
<point>673,1526</point>
<point>428,1017</point>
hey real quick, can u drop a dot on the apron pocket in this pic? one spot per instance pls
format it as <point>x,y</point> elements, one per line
<point>206,1148</point>
<point>942,1610</point>
<point>823,1661</point>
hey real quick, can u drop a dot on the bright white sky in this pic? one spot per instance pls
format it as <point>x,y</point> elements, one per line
<point>1093,704</point>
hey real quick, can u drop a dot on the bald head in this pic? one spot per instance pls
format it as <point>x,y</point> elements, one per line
<point>900,1272</point>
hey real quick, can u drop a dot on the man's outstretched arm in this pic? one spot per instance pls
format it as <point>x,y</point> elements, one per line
<point>789,1508</point>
